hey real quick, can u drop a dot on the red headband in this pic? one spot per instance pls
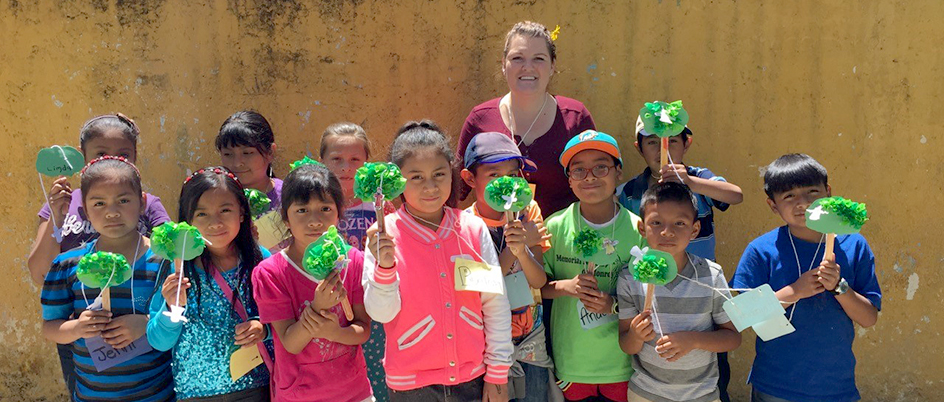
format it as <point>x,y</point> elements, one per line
<point>214,170</point>
<point>112,158</point>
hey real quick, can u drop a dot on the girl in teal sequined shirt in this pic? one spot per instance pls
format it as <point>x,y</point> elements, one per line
<point>212,200</point>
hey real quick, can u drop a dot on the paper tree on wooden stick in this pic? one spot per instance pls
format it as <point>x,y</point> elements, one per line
<point>258,202</point>
<point>664,120</point>
<point>177,242</point>
<point>588,243</point>
<point>57,161</point>
<point>102,270</point>
<point>378,181</point>
<point>835,216</point>
<point>325,255</point>
<point>652,267</point>
<point>302,162</point>
<point>508,194</point>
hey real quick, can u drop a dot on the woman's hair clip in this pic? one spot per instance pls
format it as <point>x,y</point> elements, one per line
<point>217,170</point>
<point>114,158</point>
<point>555,33</point>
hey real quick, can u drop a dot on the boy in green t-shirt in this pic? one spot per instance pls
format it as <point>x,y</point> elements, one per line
<point>584,322</point>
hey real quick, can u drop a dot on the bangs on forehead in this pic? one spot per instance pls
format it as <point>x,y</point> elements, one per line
<point>236,136</point>
<point>115,177</point>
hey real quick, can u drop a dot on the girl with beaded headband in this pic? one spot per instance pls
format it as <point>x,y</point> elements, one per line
<point>113,201</point>
<point>221,312</point>
<point>111,134</point>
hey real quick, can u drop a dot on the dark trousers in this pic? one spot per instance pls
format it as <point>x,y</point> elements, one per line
<point>724,376</point>
<point>68,368</point>
<point>260,394</point>
<point>466,392</point>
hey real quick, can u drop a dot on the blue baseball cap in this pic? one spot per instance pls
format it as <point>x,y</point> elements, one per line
<point>494,147</point>
<point>590,139</point>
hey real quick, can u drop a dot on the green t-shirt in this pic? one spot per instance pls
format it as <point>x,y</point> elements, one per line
<point>586,346</point>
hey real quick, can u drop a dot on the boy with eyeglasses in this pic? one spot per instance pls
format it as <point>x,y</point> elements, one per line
<point>584,319</point>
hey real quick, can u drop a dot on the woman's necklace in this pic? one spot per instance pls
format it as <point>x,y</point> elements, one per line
<point>511,116</point>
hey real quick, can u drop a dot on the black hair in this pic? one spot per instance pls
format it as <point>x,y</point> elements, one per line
<point>110,167</point>
<point>475,166</point>
<point>244,243</point>
<point>247,128</point>
<point>98,126</point>
<point>420,135</point>
<point>684,135</point>
<point>791,171</point>
<point>669,191</point>
<point>311,180</point>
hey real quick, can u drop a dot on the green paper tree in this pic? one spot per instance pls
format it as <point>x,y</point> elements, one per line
<point>258,202</point>
<point>508,193</point>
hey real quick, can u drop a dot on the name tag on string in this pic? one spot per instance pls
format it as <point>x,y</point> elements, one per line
<point>270,228</point>
<point>477,276</point>
<point>773,328</point>
<point>105,357</point>
<point>590,320</point>
<point>519,292</point>
<point>754,307</point>
<point>244,360</point>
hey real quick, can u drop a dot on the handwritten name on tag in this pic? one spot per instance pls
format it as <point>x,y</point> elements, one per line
<point>590,320</point>
<point>477,276</point>
<point>105,357</point>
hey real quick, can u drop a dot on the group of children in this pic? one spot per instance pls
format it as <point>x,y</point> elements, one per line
<point>413,335</point>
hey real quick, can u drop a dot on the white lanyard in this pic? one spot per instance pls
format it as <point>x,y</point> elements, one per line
<point>799,269</point>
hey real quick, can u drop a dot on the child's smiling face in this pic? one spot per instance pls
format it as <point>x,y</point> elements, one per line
<point>592,189</point>
<point>651,150</point>
<point>311,220</point>
<point>218,217</point>
<point>428,181</point>
<point>791,205</point>
<point>343,156</point>
<point>669,226</point>
<point>248,164</point>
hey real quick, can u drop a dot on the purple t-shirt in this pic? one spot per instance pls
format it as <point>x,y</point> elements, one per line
<point>275,195</point>
<point>77,230</point>
<point>553,194</point>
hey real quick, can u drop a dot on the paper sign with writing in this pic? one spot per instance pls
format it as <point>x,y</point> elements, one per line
<point>478,277</point>
<point>590,320</point>
<point>773,328</point>
<point>243,360</point>
<point>105,357</point>
<point>519,292</point>
<point>59,161</point>
<point>271,229</point>
<point>754,307</point>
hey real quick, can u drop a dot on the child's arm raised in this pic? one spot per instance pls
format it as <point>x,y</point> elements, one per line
<point>857,307</point>
<point>162,333</point>
<point>634,333</point>
<point>674,346</point>
<point>381,284</point>
<point>45,247</point>
<point>720,190</point>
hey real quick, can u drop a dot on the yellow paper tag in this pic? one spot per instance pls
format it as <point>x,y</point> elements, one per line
<point>477,276</point>
<point>243,360</point>
<point>271,229</point>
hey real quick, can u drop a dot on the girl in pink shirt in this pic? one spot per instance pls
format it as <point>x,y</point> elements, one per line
<point>442,344</point>
<point>317,351</point>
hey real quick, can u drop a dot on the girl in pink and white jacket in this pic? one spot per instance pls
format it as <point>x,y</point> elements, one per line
<point>442,344</point>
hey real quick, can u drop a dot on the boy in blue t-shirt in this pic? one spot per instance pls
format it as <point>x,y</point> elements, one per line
<point>711,192</point>
<point>814,363</point>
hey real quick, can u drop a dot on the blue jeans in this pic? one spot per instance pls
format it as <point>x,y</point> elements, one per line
<point>757,396</point>
<point>535,384</point>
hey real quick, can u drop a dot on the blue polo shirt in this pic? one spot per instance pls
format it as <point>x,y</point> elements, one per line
<point>814,363</point>
<point>630,196</point>
<point>143,378</point>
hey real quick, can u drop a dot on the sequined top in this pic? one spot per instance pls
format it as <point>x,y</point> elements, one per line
<point>202,346</point>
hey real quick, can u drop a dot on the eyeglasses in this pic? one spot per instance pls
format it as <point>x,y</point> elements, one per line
<point>599,171</point>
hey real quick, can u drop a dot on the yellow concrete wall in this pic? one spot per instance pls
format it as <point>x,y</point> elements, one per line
<point>855,84</point>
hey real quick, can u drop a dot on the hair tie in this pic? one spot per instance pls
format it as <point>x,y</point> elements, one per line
<point>216,170</point>
<point>555,33</point>
<point>114,158</point>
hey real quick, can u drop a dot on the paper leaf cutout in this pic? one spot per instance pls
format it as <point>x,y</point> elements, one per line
<point>508,193</point>
<point>59,161</point>
<point>664,119</point>
<point>258,201</point>
<point>322,255</point>
<point>304,161</point>
<point>167,241</point>
<point>836,215</point>
<point>378,174</point>
<point>103,269</point>
<point>588,242</point>
<point>655,267</point>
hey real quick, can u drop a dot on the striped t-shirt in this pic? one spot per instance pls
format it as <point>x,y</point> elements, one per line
<point>678,306</point>
<point>143,378</point>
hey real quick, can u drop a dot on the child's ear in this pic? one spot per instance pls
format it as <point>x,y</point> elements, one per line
<point>829,191</point>
<point>467,177</point>
<point>619,173</point>
<point>773,206</point>
<point>641,228</point>
<point>696,228</point>
<point>638,148</point>
<point>688,143</point>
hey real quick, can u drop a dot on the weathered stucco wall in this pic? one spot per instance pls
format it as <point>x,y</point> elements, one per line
<point>855,84</point>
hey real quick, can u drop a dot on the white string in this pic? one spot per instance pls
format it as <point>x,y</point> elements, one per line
<point>654,315</point>
<point>673,162</point>
<point>511,117</point>
<point>439,225</point>
<point>51,212</point>
<point>113,268</point>
<point>180,279</point>
<point>799,269</point>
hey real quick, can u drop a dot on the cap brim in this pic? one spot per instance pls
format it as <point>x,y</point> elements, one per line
<point>601,146</point>
<point>527,164</point>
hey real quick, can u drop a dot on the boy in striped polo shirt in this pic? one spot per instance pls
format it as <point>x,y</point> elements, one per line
<point>674,345</point>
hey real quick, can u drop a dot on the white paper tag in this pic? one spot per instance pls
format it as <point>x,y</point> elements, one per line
<point>590,320</point>
<point>519,292</point>
<point>478,277</point>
